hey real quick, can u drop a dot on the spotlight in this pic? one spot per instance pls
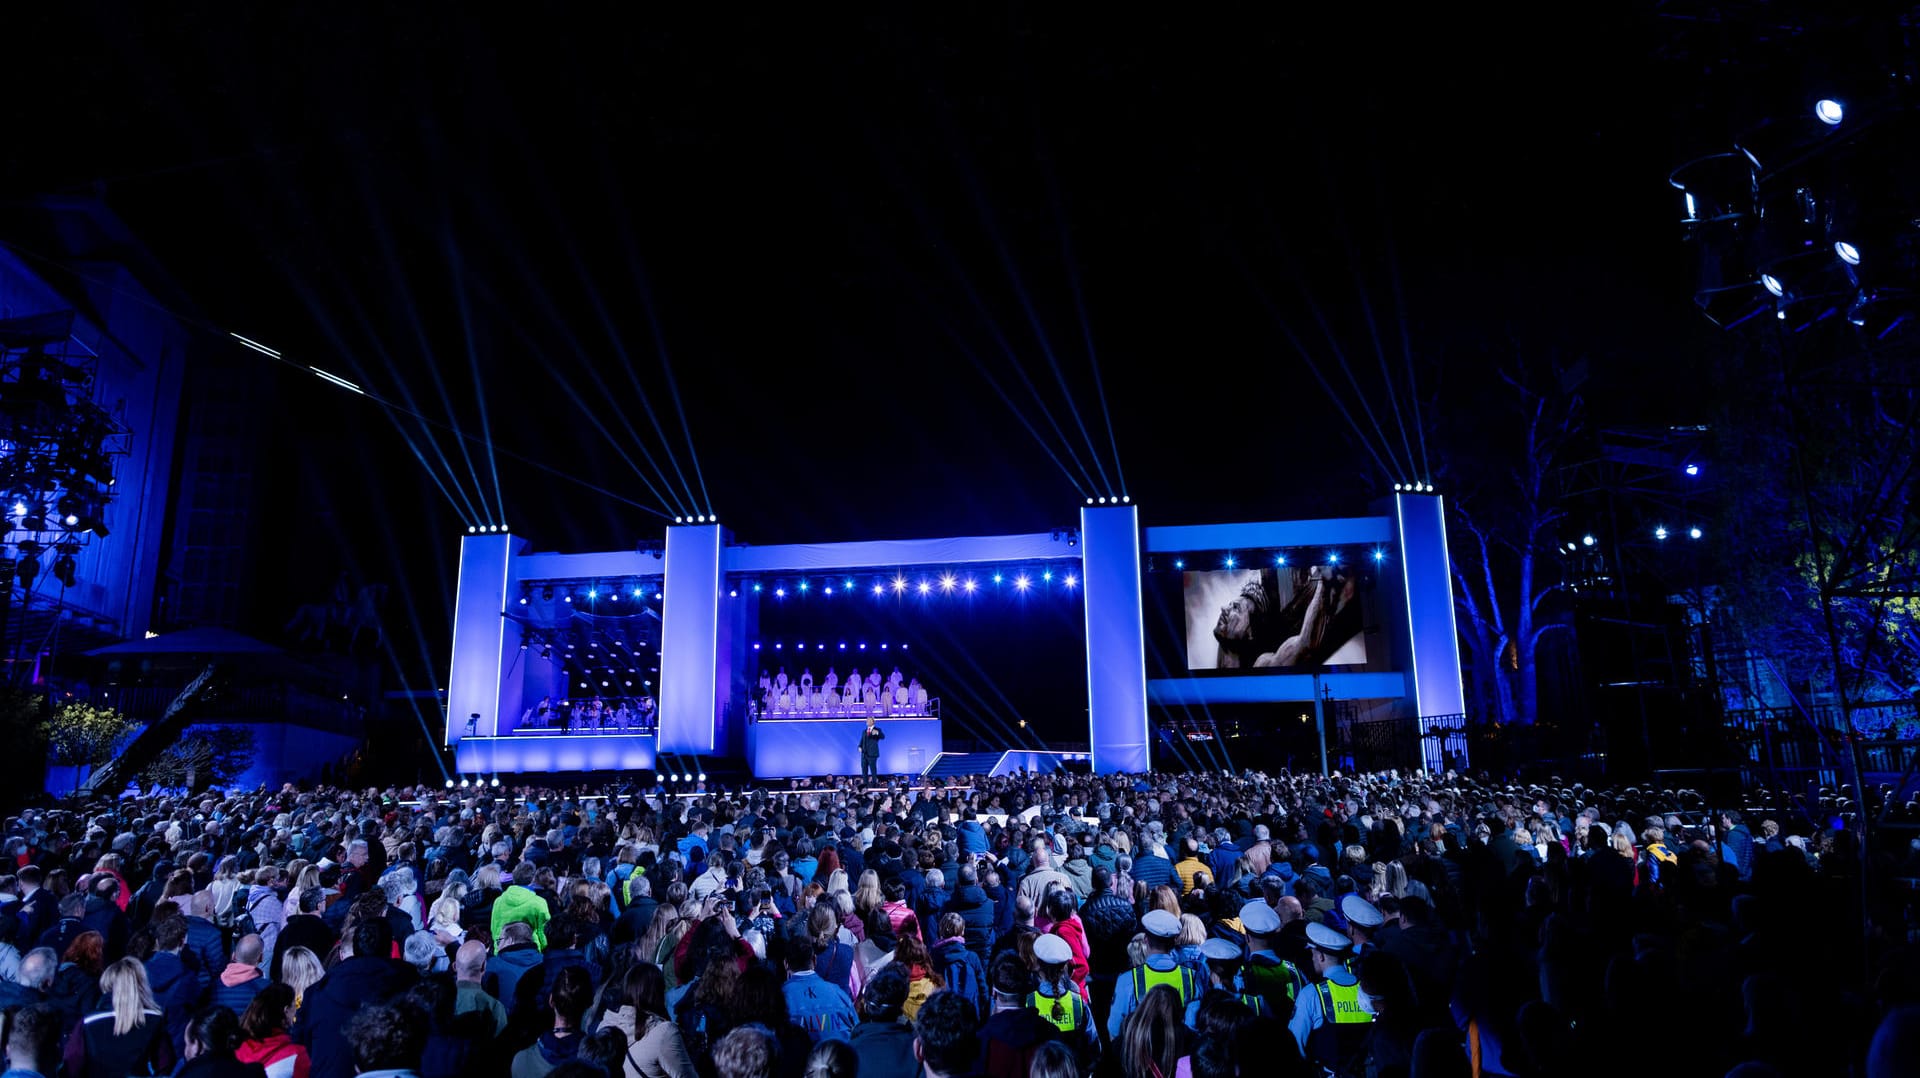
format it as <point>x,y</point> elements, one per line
<point>732,594</point>
<point>1396,487</point>
<point>828,589</point>
<point>1089,501</point>
<point>1279,559</point>
<point>1693,469</point>
<point>1660,531</point>
<point>1069,581</point>
<point>849,583</point>
<point>1829,111</point>
<point>450,781</point>
<point>756,588</point>
<point>863,647</point>
<point>925,587</point>
<point>638,592</point>
<point>676,520</point>
<point>1229,561</point>
<point>1073,537</point>
<point>1333,557</point>
<point>878,590</point>
<point>496,782</point>
<point>803,585</point>
<point>21,509</point>
<point>463,783</point>
<point>969,585</point>
<point>899,584</point>
<point>996,578</point>
<point>946,582</point>
<point>569,597</point>
<point>1772,284</point>
<point>71,520</point>
<point>1586,540</point>
<point>593,593</point>
<point>1179,563</point>
<point>1848,252</point>
<point>1021,582</point>
<point>523,600</point>
<point>703,776</point>
<point>756,645</point>
<point>1127,498</point>
<point>779,593</point>
<point>1694,533</point>
<point>843,645</point>
<point>1379,556</point>
<point>1103,501</point>
<point>1047,576</point>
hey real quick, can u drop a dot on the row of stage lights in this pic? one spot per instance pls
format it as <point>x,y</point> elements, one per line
<point>482,529</point>
<point>1124,499</point>
<point>1230,561</point>
<point>945,584</point>
<point>1413,488</point>
<point>594,593</point>
<point>475,783</point>
<point>862,646</point>
<point>697,519</point>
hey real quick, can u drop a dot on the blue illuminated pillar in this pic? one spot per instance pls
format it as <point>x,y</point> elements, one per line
<point>1433,638</point>
<point>1116,638</point>
<point>690,613</point>
<point>485,676</point>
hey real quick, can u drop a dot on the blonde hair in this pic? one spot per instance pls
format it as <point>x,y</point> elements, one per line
<point>446,911</point>
<point>837,881</point>
<point>868,897</point>
<point>1193,932</point>
<point>125,983</point>
<point>299,970</point>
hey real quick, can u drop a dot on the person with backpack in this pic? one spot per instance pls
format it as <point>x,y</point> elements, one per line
<point>958,966</point>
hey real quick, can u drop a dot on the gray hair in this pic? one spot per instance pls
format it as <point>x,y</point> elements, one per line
<point>38,967</point>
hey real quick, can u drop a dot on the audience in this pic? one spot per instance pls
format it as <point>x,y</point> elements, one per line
<point>1376,924</point>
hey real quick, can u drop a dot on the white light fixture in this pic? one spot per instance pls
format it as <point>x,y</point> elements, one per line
<point>1848,252</point>
<point>1586,540</point>
<point>1829,111</point>
<point>1772,284</point>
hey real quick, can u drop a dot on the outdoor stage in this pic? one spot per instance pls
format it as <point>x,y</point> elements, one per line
<point>680,622</point>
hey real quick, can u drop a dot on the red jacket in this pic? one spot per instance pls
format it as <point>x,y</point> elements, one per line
<point>273,1050</point>
<point>1075,934</point>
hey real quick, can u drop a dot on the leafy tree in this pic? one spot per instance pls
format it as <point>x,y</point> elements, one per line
<point>80,734</point>
<point>210,756</point>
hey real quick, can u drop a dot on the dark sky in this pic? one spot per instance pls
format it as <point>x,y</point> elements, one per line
<point>864,246</point>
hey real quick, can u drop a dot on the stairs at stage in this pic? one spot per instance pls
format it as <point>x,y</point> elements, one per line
<point>955,764</point>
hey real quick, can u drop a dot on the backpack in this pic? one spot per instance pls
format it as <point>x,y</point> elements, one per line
<point>962,974</point>
<point>236,919</point>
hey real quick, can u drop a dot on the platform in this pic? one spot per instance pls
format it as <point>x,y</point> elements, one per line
<point>527,752</point>
<point>779,748</point>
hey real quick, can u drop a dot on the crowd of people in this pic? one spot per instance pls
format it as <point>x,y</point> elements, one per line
<point>1056,926</point>
<point>871,694</point>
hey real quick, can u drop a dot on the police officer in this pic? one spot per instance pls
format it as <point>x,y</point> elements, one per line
<point>1331,1019</point>
<point>1223,969</point>
<point>1363,920</point>
<point>1266,974</point>
<point>1058,1001</point>
<point>1163,933</point>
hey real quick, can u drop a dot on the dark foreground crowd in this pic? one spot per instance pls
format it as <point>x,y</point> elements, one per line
<point>1157,926</point>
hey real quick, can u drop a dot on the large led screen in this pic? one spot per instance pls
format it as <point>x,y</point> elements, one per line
<point>1276,618</point>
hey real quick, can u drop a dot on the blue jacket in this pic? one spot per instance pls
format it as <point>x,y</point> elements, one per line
<point>820,1007</point>
<point>1152,870</point>
<point>975,908</point>
<point>236,997</point>
<point>177,990</point>
<point>208,945</point>
<point>326,1007</point>
<point>972,839</point>
<point>504,970</point>
<point>1222,860</point>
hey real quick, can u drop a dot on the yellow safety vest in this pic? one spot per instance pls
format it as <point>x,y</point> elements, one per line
<point>1062,1011</point>
<point>1340,1004</point>
<point>1179,978</point>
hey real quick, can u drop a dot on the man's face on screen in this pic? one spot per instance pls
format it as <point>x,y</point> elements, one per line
<point>1236,619</point>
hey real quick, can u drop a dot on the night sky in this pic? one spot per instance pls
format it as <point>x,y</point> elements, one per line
<point>882,257</point>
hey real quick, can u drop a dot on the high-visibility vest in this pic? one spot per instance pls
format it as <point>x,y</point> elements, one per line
<point>1255,1003</point>
<point>1270,977</point>
<point>1342,1035</point>
<point>1062,1011</point>
<point>1179,978</point>
<point>1340,1004</point>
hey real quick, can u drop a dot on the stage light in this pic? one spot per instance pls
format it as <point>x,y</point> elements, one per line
<point>72,520</point>
<point>703,776</point>
<point>676,520</point>
<point>883,647</point>
<point>1694,533</point>
<point>1229,561</point>
<point>1660,531</point>
<point>777,647</point>
<point>849,583</point>
<point>899,584</point>
<point>969,585</point>
<point>1693,469</point>
<point>925,587</point>
<point>1069,581</point>
<point>523,600</point>
<point>496,782</point>
<point>1848,252</point>
<point>1772,284</point>
<point>569,597</point>
<point>946,582</point>
<point>1333,557</point>
<point>756,645</point>
<point>449,784</point>
<point>1103,501</point>
<point>863,647</point>
<point>1179,563</point>
<point>1021,582</point>
<point>1047,576</point>
<point>800,647</point>
<point>1127,498</point>
<point>803,585</point>
<point>756,588</point>
<point>828,589</point>
<point>18,509</point>
<point>1279,559</point>
<point>593,593</point>
<point>843,645</point>
<point>463,783</point>
<point>1089,501</point>
<point>996,578</point>
<point>1829,111</point>
<point>779,593</point>
<point>1379,556</point>
<point>732,594</point>
<point>1396,488</point>
<point>1586,540</point>
<point>878,590</point>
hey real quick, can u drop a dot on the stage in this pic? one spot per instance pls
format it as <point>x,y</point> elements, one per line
<point>531,753</point>
<point>788,747</point>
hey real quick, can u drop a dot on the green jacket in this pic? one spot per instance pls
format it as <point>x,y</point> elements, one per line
<point>518,903</point>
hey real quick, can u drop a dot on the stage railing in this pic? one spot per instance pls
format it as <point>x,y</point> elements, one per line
<point>930,710</point>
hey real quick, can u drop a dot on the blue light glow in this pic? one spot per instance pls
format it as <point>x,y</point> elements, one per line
<point>899,584</point>
<point>803,585</point>
<point>849,583</point>
<point>1829,111</point>
<point>843,645</point>
<point>1047,576</point>
<point>1379,555</point>
<point>1695,533</point>
<point>1848,252</point>
<point>779,593</point>
<point>1070,581</point>
<point>1279,559</point>
<point>828,589</point>
<point>969,585</point>
<point>878,590</point>
<point>1021,582</point>
<point>1660,531</point>
<point>946,581</point>
<point>593,593</point>
<point>1230,561</point>
<point>1333,557</point>
<point>1693,469</point>
<point>1179,563</point>
<point>925,587</point>
<point>996,578</point>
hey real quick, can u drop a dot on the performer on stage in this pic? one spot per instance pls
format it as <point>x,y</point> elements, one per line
<point>870,749</point>
<point>832,682</point>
